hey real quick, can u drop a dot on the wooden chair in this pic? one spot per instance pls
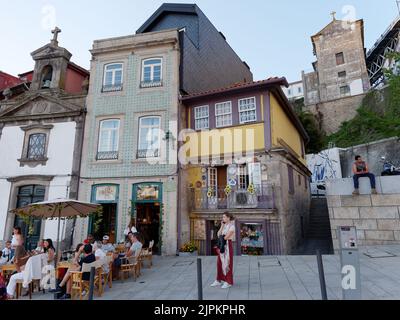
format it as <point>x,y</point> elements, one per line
<point>127,266</point>
<point>107,277</point>
<point>138,264</point>
<point>18,289</point>
<point>148,254</point>
<point>79,286</point>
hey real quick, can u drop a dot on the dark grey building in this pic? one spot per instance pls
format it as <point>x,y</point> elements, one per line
<point>207,60</point>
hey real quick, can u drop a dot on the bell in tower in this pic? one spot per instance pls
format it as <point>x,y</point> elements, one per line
<point>51,62</point>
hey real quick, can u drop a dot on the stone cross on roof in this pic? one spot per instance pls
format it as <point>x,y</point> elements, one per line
<point>333,14</point>
<point>56,31</point>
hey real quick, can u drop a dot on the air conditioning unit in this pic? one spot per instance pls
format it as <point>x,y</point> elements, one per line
<point>243,199</point>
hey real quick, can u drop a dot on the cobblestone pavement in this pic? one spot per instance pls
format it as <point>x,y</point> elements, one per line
<point>259,278</point>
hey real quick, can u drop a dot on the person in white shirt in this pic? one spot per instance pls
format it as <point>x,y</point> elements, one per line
<point>100,254</point>
<point>6,254</point>
<point>40,247</point>
<point>107,247</point>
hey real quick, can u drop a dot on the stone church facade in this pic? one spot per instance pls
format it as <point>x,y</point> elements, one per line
<point>41,135</point>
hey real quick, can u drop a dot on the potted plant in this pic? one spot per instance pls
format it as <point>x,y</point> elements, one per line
<point>188,249</point>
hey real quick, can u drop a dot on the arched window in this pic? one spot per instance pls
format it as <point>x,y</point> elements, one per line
<point>47,76</point>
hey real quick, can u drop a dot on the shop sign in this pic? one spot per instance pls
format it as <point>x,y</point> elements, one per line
<point>146,192</point>
<point>106,193</point>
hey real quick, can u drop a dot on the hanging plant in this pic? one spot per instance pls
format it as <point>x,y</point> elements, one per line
<point>251,189</point>
<point>228,190</point>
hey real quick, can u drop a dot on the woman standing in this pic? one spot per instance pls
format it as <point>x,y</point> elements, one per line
<point>226,235</point>
<point>16,240</point>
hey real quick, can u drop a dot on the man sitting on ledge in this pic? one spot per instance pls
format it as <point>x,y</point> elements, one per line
<point>360,170</point>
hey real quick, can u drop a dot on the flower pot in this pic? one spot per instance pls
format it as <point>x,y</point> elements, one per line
<point>188,254</point>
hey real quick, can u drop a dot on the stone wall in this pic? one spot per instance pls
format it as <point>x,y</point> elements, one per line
<point>376,217</point>
<point>372,153</point>
<point>332,114</point>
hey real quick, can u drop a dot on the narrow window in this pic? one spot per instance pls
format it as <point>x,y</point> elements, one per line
<point>201,118</point>
<point>345,90</point>
<point>291,179</point>
<point>247,110</point>
<point>37,146</point>
<point>339,58</point>
<point>223,114</point>
<point>342,74</point>
<point>108,140</point>
<point>149,137</point>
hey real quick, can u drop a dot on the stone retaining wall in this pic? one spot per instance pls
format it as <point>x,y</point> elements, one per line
<point>376,217</point>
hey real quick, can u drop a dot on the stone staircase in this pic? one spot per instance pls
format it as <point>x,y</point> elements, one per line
<point>318,235</point>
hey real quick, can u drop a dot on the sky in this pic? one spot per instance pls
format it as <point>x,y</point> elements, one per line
<point>273,37</point>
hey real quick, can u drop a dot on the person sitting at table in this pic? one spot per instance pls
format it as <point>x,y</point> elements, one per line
<point>6,254</point>
<point>49,250</point>
<point>89,257</point>
<point>40,246</point>
<point>20,259</point>
<point>74,267</point>
<point>100,254</point>
<point>89,240</point>
<point>135,245</point>
<point>107,246</point>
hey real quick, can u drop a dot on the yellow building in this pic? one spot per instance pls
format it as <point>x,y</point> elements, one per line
<point>243,151</point>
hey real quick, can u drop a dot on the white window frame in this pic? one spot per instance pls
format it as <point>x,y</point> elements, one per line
<point>113,71</point>
<point>223,114</point>
<point>242,173</point>
<point>203,117</point>
<point>255,110</point>
<point>109,130</point>
<point>152,69</point>
<point>213,180</point>
<point>149,126</point>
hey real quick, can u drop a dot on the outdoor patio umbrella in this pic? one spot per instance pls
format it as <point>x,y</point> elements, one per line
<point>58,209</point>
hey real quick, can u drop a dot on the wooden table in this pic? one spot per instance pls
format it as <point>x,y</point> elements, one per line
<point>63,265</point>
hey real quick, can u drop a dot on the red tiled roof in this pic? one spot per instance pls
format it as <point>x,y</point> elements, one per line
<point>270,81</point>
<point>8,80</point>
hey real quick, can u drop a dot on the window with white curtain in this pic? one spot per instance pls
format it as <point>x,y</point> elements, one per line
<point>201,118</point>
<point>247,110</point>
<point>108,139</point>
<point>113,74</point>
<point>151,72</point>
<point>149,137</point>
<point>223,114</point>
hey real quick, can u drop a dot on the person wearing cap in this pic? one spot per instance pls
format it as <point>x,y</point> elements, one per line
<point>107,247</point>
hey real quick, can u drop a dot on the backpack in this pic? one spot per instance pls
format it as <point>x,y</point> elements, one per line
<point>3,289</point>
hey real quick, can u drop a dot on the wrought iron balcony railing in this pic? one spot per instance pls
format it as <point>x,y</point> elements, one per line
<point>107,155</point>
<point>150,84</point>
<point>112,88</point>
<point>261,197</point>
<point>148,153</point>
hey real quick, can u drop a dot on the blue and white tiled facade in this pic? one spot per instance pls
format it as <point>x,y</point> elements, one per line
<point>129,105</point>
